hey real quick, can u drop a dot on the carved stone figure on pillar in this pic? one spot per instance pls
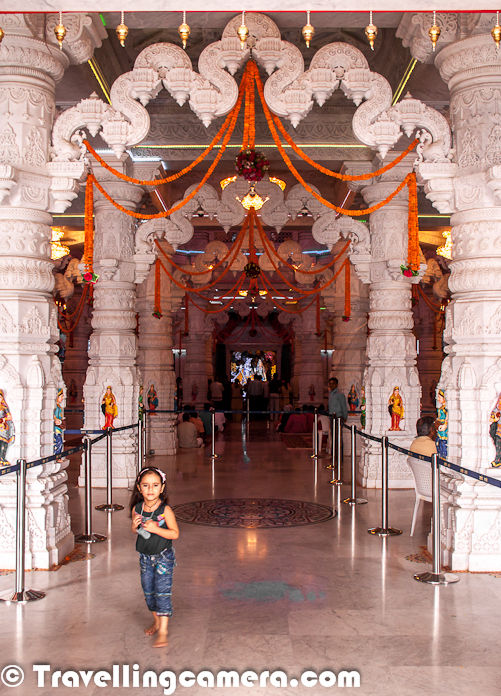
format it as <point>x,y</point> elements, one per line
<point>59,424</point>
<point>396,409</point>
<point>443,418</point>
<point>152,399</point>
<point>7,435</point>
<point>353,399</point>
<point>312,392</point>
<point>73,392</point>
<point>495,432</point>
<point>109,408</point>
<point>362,407</point>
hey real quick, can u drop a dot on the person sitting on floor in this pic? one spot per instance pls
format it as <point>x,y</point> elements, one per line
<point>427,433</point>
<point>296,423</point>
<point>187,434</point>
<point>187,408</point>
<point>284,417</point>
<point>197,423</point>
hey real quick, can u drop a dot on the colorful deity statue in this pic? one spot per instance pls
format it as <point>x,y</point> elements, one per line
<point>152,398</point>
<point>7,431</point>
<point>194,391</point>
<point>495,432</point>
<point>353,399</point>
<point>396,409</point>
<point>443,419</point>
<point>362,407</point>
<point>109,408</point>
<point>59,423</point>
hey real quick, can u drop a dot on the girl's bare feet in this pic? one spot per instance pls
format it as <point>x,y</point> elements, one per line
<point>161,641</point>
<point>154,627</point>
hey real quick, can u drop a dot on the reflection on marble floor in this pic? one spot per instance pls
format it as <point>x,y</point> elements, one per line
<point>322,597</point>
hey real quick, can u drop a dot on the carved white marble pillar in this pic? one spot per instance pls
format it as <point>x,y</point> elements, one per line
<point>113,344</point>
<point>391,346</point>
<point>311,385</point>
<point>195,371</point>
<point>156,362</point>
<point>349,338</point>
<point>30,186</point>
<point>471,373</point>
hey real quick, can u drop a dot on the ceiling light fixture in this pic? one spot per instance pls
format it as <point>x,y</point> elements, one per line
<point>184,30</point>
<point>224,182</point>
<point>243,32</point>
<point>371,32</point>
<point>308,30</point>
<point>434,31</point>
<point>253,200</point>
<point>278,182</point>
<point>57,250</point>
<point>446,249</point>
<point>496,31</point>
<point>60,31</point>
<point>122,30</point>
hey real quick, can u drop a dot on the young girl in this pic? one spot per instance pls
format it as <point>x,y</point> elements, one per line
<point>155,525</point>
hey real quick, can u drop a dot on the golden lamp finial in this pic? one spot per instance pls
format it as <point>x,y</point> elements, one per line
<point>243,32</point>
<point>184,30</point>
<point>371,32</point>
<point>60,31</point>
<point>434,31</point>
<point>496,31</point>
<point>122,30</point>
<point>308,30</point>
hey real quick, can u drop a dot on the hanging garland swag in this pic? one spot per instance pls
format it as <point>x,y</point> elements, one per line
<point>251,80</point>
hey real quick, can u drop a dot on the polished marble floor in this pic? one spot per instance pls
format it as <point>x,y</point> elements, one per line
<point>321,597</point>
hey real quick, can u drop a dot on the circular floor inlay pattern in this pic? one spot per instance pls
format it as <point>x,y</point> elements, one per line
<point>253,513</point>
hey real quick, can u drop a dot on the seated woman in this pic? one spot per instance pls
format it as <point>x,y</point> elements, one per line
<point>284,418</point>
<point>297,422</point>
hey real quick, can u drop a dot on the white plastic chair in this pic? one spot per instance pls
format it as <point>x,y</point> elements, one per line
<point>421,472</point>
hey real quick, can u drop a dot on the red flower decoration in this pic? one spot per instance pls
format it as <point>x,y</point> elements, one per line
<point>345,318</point>
<point>251,165</point>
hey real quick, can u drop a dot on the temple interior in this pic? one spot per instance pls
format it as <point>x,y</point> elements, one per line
<point>256,254</point>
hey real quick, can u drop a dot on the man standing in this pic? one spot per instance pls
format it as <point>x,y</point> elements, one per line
<point>255,394</point>
<point>337,407</point>
<point>337,400</point>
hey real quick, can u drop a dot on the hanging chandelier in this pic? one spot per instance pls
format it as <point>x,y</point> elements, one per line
<point>57,250</point>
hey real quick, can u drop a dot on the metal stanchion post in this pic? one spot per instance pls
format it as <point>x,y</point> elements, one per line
<point>88,537</point>
<point>385,530</point>
<point>248,415</point>
<point>213,431</point>
<point>140,434</point>
<point>315,438</point>
<point>337,446</point>
<point>19,594</point>
<point>353,500</point>
<point>436,577</point>
<point>109,506</point>
<point>332,465</point>
<point>145,445</point>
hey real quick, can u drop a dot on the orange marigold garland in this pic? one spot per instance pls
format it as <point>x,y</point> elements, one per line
<point>347,290</point>
<point>413,227</point>
<point>157,309</point>
<point>89,225</point>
